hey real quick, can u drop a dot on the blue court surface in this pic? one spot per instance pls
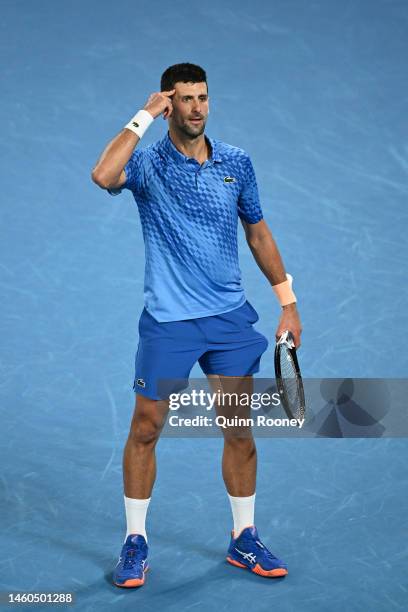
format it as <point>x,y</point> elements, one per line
<point>316,92</point>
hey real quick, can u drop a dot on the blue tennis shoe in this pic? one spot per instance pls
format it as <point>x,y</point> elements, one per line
<point>132,565</point>
<point>248,552</point>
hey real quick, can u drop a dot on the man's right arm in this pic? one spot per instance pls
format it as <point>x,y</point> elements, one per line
<point>109,171</point>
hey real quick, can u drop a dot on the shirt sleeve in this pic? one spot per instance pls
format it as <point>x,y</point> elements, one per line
<point>135,174</point>
<point>249,206</point>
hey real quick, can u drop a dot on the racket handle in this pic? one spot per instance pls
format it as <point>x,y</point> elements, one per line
<point>287,338</point>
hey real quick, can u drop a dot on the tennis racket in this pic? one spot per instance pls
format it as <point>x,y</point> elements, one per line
<point>288,377</point>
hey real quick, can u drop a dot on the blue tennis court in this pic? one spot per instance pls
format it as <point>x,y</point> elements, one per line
<point>316,93</point>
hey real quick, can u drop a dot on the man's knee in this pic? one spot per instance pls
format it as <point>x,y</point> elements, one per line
<point>148,420</point>
<point>242,442</point>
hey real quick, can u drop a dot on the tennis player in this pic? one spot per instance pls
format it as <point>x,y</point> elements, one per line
<point>191,190</point>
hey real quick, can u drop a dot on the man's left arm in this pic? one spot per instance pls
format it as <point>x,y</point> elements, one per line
<point>267,256</point>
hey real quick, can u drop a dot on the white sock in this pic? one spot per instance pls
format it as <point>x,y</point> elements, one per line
<point>243,510</point>
<point>136,510</point>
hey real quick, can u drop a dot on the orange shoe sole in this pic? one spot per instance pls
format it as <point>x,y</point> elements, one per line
<point>274,573</point>
<point>132,583</point>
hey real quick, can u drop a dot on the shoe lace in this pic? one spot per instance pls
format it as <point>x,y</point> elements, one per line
<point>266,552</point>
<point>133,554</point>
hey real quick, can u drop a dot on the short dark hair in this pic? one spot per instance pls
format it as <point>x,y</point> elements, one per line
<point>186,73</point>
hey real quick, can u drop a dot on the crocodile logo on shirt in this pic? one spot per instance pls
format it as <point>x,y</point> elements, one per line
<point>229,179</point>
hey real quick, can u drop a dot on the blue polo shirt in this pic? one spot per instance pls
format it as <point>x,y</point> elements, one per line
<point>189,215</point>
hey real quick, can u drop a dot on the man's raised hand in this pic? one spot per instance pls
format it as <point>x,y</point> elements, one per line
<point>160,102</point>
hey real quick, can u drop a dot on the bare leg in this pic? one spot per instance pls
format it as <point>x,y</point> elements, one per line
<point>239,459</point>
<point>139,458</point>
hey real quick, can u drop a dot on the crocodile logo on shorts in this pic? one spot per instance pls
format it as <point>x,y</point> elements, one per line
<point>141,383</point>
<point>229,179</point>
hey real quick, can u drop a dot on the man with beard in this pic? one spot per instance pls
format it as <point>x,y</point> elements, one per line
<point>191,190</point>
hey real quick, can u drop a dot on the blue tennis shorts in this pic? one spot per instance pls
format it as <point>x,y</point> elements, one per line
<point>225,344</point>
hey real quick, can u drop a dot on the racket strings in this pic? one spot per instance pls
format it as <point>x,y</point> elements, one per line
<point>290,383</point>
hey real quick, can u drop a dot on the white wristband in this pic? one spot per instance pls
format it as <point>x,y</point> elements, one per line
<point>140,122</point>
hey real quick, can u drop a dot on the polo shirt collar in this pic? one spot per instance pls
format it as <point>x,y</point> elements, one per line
<point>182,159</point>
